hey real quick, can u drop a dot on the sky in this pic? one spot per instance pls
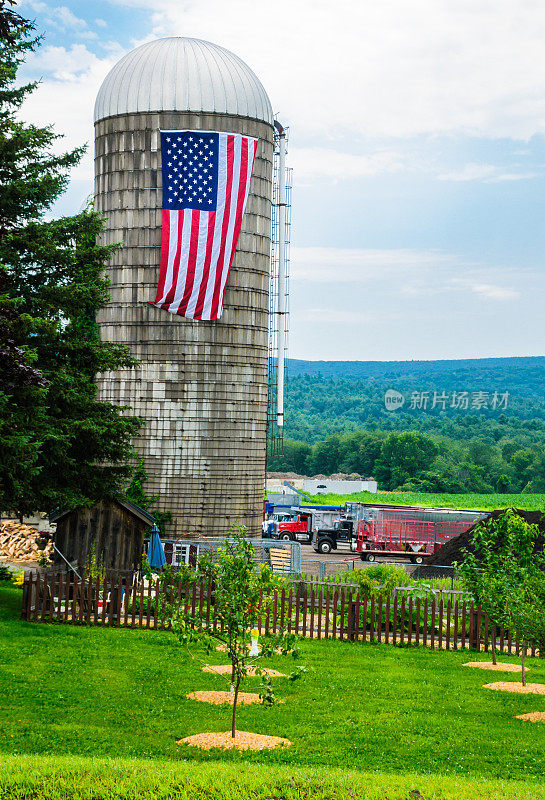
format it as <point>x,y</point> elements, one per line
<point>417,142</point>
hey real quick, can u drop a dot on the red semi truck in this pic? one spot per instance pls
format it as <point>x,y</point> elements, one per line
<point>297,525</point>
<point>397,531</point>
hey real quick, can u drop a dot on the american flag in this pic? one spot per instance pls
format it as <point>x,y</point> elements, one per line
<point>206,178</point>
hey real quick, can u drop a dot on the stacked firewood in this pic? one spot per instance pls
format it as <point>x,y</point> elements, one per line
<point>18,543</point>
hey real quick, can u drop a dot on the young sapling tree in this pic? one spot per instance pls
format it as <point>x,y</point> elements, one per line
<point>243,592</point>
<point>500,570</point>
<point>525,608</point>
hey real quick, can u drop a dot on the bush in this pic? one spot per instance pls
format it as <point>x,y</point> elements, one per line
<point>386,572</point>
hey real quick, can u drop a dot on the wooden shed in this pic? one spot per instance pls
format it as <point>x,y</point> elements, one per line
<point>117,529</point>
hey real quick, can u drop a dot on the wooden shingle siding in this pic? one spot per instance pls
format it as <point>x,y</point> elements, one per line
<point>201,386</point>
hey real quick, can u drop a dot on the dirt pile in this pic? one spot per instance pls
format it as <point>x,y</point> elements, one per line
<point>336,476</point>
<point>452,550</point>
<point>18,544</point>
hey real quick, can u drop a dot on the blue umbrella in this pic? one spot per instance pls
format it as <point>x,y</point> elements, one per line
<point>156,552</point>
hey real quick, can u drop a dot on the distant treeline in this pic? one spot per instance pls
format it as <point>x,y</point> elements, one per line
<point>469,426</point>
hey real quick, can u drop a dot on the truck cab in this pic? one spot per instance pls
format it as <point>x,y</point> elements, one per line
<point>298,529</point>
<point>340,537</point>
<point>270,525</point>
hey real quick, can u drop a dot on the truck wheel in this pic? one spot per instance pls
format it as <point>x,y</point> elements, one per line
<point>370,557</point>
<point>417,559</point>
<point>286,537</point>
<point>325,547</point>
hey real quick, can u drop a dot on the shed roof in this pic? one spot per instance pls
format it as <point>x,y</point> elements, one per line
<point>132,508</point>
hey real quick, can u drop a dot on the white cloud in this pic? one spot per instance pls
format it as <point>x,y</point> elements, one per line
<point>59,17</point>
<point>61,64</point>
<point>322,162</point>
<point>66,19</point>
<point>351,78</point>
<point>354,265</point>
<point>346,317</point>
<point>491,292</point>
<point>388,69</point>
<point>488,173</point>
<point>410,274</point>
<point>65,96</point>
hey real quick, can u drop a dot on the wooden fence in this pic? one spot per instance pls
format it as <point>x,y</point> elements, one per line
<point>439,587</point>
<point>319,612</point>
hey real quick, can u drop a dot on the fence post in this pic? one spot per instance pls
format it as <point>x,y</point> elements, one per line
<point>45,589</point>
<point>26,593</point>
<point>350,631</point>
<point>472,628</point>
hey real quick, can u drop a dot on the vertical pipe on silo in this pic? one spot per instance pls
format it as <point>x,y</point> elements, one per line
<point>281,275</point>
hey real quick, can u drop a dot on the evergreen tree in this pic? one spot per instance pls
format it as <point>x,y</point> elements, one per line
<point>60,446</point>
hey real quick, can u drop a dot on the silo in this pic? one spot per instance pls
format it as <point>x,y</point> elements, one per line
<point>201,386</point>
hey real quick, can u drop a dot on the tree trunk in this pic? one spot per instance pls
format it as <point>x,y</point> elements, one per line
<point>234,718</point>
<point>494,660</point>
<point>523,658</point>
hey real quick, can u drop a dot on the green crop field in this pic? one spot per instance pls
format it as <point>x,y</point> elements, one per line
<point>481,502</point>
<point>79,702</point>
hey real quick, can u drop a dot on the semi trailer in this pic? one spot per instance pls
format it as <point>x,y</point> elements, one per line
<point>396,531</point>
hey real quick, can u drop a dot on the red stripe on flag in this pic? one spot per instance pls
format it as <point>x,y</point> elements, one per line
<point>165,241</point>
<point>176,265</point>
<point>240,205</point>
<point>225,226</point>
<point>206,267</point>
<point>192,260</point>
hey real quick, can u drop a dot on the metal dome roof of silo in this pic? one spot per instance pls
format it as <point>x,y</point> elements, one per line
<point>182,74</point>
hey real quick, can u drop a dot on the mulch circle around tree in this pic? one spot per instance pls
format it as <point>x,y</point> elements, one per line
<point>225,669</point>
<point>243,741</point>
<point>497,667</point>
<point>533,716</point>
<point>517,688</point>
<point>218,698</point>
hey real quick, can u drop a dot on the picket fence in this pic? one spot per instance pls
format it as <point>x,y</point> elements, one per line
<point>319,612</point>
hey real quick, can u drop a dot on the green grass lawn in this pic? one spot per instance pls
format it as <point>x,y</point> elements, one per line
<point>88,778</point>
<point>481,502</point>
<point>93,694</point>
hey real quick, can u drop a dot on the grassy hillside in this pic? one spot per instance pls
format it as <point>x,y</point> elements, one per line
<point>120,694</point>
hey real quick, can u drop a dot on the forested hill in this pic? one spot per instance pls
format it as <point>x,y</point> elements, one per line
<point>474,425</point>
<point>446,397</point>
<point>523,374</point>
